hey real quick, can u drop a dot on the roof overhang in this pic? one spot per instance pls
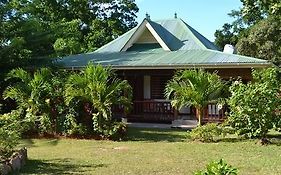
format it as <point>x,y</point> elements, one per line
<point>187,66</point>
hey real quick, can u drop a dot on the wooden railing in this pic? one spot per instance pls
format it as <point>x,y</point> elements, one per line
<point>162,111</point>
<point>153,111</point>
<point>214,113</point>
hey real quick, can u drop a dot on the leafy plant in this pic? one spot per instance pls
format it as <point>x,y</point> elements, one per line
<point>194,88</point>
<point>118,131</point>
<point>254,106</point>
<point>206,133</point>
<point>30,91</point>
<point>11,128</point>
<point>218,168</point>
<point>101,89</point>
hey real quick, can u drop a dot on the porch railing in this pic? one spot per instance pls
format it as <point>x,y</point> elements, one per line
<point>214,113</point>
<point>162,111</point>
<point>152,110</point>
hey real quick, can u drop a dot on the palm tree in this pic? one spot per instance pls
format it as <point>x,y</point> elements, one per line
<point>100,87</point>
<point>31,92</point>
<point>193,88</point>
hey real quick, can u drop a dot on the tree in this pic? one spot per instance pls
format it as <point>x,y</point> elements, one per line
<point>254,30</point>
<point>194,87</point>
<point>101,88</point>
<point>35,29</point>
<point>263,41</point>
<point>255,107</point>
<point>230,32</point>
<point>255,10</point>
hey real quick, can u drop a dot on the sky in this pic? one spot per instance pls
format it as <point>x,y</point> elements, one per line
<point>206,16</point>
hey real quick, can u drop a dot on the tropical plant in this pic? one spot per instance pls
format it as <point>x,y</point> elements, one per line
<point>31,93</point>
<point>255,107</point>
<point>218,168</point>
<point>194,87</point>
<point>101,89</point>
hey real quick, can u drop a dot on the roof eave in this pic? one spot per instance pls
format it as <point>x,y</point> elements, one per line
<point>187,66</point>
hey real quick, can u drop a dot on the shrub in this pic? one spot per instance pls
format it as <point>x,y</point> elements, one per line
<point>10,131</point>
<point>206,133</point>
<point>9,138</point>
<point>253,106</point>
<point>218,168</point>
<point>119,130</point>
<point>71,127</point>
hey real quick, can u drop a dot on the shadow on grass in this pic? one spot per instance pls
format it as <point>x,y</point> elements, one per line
<point>30,142</point>
<point>27,143</point>
<point>232,139</point>
<point>55,166</point>
<point>156,135</point>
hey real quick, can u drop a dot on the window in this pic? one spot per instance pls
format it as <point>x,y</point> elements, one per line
<point>158,84</point>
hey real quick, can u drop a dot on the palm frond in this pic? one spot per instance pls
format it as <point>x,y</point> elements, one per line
<point>20,74</point>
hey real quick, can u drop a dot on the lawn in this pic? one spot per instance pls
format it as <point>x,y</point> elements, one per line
<point>147,151</point>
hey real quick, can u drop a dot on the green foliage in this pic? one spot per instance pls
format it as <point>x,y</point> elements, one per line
<point>254,106</point>
<point>86,109</point>
<point>36,29</point>
<point>206,133</point>
<point>71,127</point>
<point>194,87</point>
<point>218,168</point>
<point>118,131</point>
<point>11,128</point>
<point>254,30</point>
<point>39,96</point>
<point>253,10</point>
<point>261,41</point>
<point>99,87</point>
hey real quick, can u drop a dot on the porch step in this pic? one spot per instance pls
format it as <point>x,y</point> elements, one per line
<point>186,124</point>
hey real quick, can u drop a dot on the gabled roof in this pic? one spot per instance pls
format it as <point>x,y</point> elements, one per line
<point>170,44</point>
<point>175,33</point>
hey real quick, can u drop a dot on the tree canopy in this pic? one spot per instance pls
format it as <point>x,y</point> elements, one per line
<point>255,31</point>
<point>49,28</point>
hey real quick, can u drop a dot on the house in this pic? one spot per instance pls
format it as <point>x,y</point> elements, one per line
<point>149,54</point>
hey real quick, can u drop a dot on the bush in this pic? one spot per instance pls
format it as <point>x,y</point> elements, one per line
<point>206,133</point>
<point>218,168</point>
<point>9,138</point>
<point>253,106</point>
<point>119,130</point>
<point>10,131</point>
<point>71,127</point>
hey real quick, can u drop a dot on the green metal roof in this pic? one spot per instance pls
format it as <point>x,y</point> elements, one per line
<point>174,32</point>
<point>188,49</point>
<point>155,59</point>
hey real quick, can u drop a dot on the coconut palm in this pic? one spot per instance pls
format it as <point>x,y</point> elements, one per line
<point>193,88</point>
<point>100,87</point>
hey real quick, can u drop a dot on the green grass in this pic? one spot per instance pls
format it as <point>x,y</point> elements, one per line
<point>147,151</point>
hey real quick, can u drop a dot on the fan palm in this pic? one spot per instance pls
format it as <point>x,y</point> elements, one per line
<point>102,89</point>
<point>193,88</point>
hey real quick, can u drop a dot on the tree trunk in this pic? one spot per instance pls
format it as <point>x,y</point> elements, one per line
<point>199,115</point>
